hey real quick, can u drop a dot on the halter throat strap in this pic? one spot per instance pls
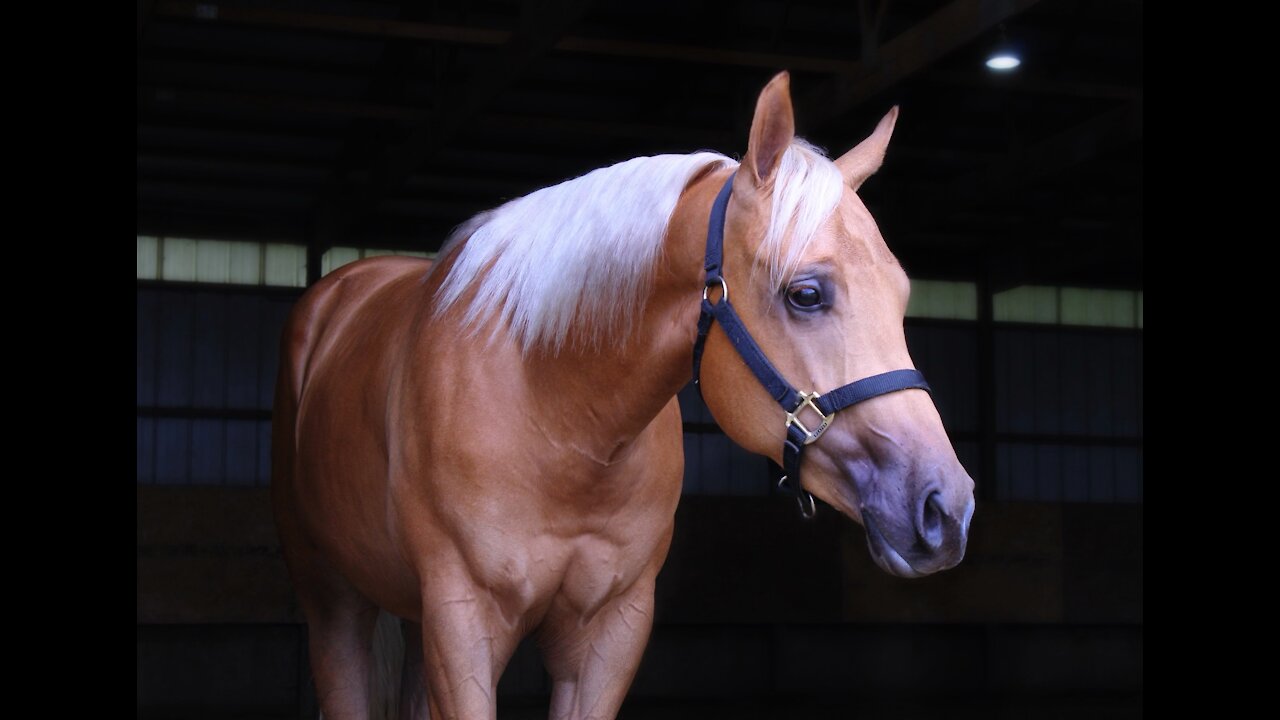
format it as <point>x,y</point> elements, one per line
<point>793,402</point>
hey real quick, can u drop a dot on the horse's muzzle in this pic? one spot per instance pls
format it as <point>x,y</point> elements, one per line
<point>935,541</point>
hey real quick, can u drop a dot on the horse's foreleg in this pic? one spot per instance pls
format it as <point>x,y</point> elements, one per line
<point>466,643</point>
<point>592,663</point>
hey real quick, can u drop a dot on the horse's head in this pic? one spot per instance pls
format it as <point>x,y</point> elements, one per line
<point>814,282</point>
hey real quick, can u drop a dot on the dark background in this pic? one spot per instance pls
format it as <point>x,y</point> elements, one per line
<point>294,128</point>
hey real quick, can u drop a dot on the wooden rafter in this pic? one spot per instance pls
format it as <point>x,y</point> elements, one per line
<point>1005,177</point>
<point>492,37</point>
<point>905,55</point>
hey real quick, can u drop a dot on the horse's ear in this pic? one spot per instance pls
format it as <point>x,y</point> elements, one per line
<point>864,160</point>
<point>772,130</point>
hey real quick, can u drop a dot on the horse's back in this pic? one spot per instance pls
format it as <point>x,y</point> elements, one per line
<point>339,303</point>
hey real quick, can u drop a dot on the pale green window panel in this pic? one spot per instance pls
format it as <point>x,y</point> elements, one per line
<point>407,253</point>
<point>1028,304</point>
<point>178,259</point>
<point>1069,306</point>
<point>213,261</point>
<point>285,265</point>
<point>221,261</point>
<point>148,257</point>
<point>943,299</point>
<point>244,263</point>
<point>336,257</point>
<point>237,263</point>
<point>1102,308</point>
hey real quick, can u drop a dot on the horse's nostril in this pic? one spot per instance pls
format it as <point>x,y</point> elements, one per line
<point>930,530</point>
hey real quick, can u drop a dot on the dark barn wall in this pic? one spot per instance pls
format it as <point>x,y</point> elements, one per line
<point>206,374</point>
<point>759,612</point>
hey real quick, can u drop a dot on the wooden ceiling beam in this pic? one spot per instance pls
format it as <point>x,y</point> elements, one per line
<point>542,25</point>
<point>1086,141</point>
<point>492,37</point>
<point>274,18</point>
<point>239,140</point>
<point>222,194</point>
<point>948,29</point>
<point>166,97</point>
<point>701,55</point>
<point>146,8</point>
<point>1031,84</point>
<point>506,123</point>
<point>230,167</point>
<point>161,97</point>
<point>1003,179</point>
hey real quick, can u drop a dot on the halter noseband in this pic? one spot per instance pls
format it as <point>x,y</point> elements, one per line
<point>791,400</point>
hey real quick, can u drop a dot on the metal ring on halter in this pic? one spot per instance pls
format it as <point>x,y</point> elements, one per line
<point>724,290</point>
<point>808,508</point>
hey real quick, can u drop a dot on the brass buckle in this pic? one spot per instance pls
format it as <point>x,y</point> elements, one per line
<point>806,400</point>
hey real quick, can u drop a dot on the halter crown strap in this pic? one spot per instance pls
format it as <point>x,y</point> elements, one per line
<point>791,400</point>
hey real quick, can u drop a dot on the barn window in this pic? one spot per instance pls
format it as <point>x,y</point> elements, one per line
<point>943,300</point>
<point>1050,305</point>
<point>226,262</point>
<point>336,257</point>
<point>1102,308</point>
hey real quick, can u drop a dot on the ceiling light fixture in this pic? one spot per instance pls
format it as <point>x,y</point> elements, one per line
<point>1004,56</point>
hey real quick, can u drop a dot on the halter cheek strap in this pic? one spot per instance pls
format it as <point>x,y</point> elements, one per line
<point>793,402</point>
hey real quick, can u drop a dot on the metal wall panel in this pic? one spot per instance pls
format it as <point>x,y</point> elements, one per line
<point>173,451</point>
<point>146,451</point>
<point>244,358</point>
<point>147,342</point>
<point>947,355</point>
<point>242,453</point>
<point>209,353</point>
<point>175,329</point>
<point>206,376</point>
<point>1069,414</point>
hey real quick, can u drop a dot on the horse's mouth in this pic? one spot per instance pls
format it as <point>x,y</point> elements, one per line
<point>884,554</point>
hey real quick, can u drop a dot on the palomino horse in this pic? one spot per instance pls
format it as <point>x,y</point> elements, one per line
<point>493,448</point>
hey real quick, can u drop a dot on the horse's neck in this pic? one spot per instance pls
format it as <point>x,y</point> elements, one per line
<point>606,396</point>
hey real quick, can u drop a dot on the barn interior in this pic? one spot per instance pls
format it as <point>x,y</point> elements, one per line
<point>279,140</point>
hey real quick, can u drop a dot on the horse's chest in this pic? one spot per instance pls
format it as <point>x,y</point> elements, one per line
<point>569,542</point>
<point>577,574</point>
<point>597,570</point>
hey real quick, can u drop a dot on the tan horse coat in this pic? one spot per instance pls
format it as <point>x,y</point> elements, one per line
<point>485,491</point>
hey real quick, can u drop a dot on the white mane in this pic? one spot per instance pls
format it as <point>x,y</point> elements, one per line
<point>580,255</point>
<point>805,193</point>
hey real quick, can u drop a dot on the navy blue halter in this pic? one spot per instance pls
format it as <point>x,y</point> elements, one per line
<point>791,400</point>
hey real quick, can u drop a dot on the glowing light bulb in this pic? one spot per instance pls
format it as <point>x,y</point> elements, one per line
<point>1003,61</point>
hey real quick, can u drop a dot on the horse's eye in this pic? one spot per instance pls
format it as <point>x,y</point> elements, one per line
<point>804,297</point>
